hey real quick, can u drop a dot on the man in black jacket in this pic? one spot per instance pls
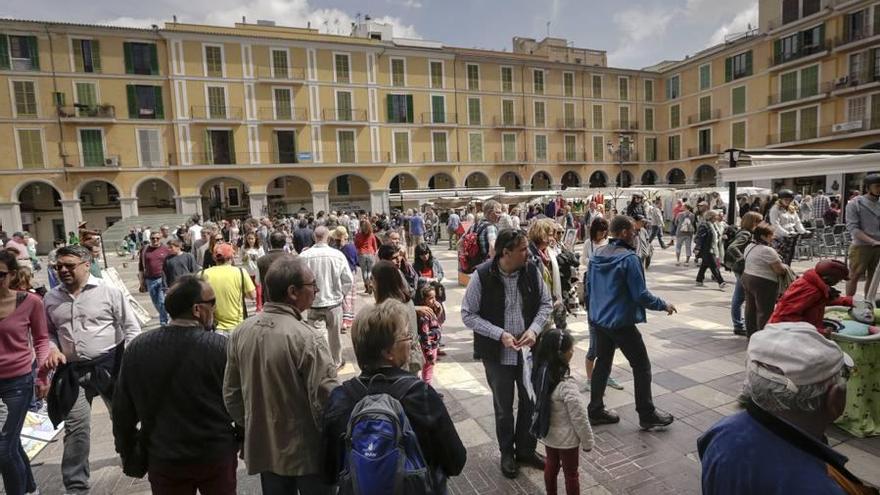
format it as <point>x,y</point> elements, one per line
<point>506,305</point>
<point>277,241</point>
<point>171,382</point>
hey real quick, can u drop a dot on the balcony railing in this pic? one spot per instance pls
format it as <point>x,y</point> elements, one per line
<point>87,112</point>
<point>799,93</point>
<point>629,156</point>
<point>704,116</point>
<point>92,161</point>
<point>286,115</point>
<point>571,123</point>
<point>345,115</point>
<point>704,150</point>
<point>864,76</point>
<point>625,125</point>
<point>858,33</point>
<point>276,157</point>
<point>215,113</point>
<point>800,52</point>
<point>440,157</point>
<point>440,119</point>
<point>793,136</point>
<point>576,156</point>
<point>509,122</point>
<point>281,75</point>
<point>511,157</point>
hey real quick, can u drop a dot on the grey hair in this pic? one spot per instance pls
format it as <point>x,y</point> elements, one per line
<point>321,233</point>
<point>775,396</point>
<point>283,273</point>
<point>77,250</point>
<point>490,206</point>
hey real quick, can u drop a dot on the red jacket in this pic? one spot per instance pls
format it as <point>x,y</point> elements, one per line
<point>805,300</point>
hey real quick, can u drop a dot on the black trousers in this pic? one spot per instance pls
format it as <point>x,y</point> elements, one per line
<point>630,342</point>
<point>708,261</point>
<point>513,437</point>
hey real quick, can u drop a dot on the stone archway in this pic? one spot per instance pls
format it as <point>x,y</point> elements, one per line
<point>541,181</point>
<point>624,179</point>
<point>510,182</point>
<point>598,179</point>
<point>99,203</point>
<point>441,181</point>
<point>224,198</point>
<point>476,180</point>
<point>676,176</point>
<point>649,178</point>
<point>155,196</point>
<point>41,214</point>
<point>705,175</point>
<point>288,195</point>
<point>403,182</point>
<point>571,179</point>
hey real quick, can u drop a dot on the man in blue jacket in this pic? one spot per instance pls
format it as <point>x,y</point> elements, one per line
<point>615,309</point>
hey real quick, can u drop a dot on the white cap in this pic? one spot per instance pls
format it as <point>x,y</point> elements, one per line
<point>794,354</point>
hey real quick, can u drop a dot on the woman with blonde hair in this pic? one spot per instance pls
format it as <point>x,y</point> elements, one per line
<point>541,236</point>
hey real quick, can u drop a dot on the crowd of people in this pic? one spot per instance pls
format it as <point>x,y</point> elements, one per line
<point>216,378</point>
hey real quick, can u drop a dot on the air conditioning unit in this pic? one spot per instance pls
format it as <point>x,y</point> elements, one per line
<point>111,162</point>
<point>855,125</point>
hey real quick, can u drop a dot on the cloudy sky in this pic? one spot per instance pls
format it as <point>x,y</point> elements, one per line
<point>635,33</point>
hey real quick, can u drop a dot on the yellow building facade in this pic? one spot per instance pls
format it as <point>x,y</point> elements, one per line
<point>100,123</point>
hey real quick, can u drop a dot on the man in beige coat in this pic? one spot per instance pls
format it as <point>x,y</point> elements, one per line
<point>279,375</point>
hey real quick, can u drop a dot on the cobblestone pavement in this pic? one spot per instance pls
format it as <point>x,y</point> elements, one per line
<point>697,366</point>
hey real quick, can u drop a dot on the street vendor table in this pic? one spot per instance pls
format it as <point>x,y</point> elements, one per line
<point>862,415</point>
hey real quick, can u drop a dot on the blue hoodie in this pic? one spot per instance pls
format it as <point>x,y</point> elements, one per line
<point>618,295</point>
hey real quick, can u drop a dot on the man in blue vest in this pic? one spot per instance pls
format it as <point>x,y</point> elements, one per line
<point>506,304</point>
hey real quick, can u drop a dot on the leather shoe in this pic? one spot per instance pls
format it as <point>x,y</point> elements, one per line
<point>508,466</point>
<point>604,417</point>
<point>655,419</point>
<point>739,331</point>
<point>532,459</point>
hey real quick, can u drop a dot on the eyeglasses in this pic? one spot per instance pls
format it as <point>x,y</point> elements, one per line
<point>209,302</point>
<point>314,286</point>
<point>67,266</point>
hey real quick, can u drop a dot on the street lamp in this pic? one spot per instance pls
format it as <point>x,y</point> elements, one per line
<point>624,143</point>
<point>732,158</point>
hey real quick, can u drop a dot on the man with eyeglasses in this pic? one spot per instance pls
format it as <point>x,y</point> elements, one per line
<point>151,273</point>
<point>284,365</point>
<point>88,322</point>
<point>172,381</point>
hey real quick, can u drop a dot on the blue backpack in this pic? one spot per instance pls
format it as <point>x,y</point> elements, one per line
<point>382,453</point>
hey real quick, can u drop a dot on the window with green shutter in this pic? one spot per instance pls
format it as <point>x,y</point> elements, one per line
<point>788,126</point>
<point>343,106</point>
<point>59,99</point>
<point>30,148</point>
<point>738,66</point>
<point>810,81</point>
<point>86,55</point>
<point>438,109</point>
<point>507,115</point>
<point>507,79</point>
<point>705,76</point>
<point>141,58</point>
<point>283,104</point>
<point>649,90</point>
<point>346,146</point>
<point>401,147</point>
<point>4,52</point>
<point>398,72</point>
<point>875,111</point>
<point>651,149</point>
<point>400,109</point>
<point>738,100</point>
<point>342,67</point>
<point>738,135</point>
<point>436,74</point>
<point>649,119</point>
<point>674,116</point>
<point>538,81</point>
<point>623,115</point>
<point>474,114</point>
<point>623,88</point>
<point>704,138</point>
<point>508,147</point>
<point>92,145</point>
<point>568,114</point>
<point>213,61</point>
<point>788,86</point>
<point>809,123</point>
<point>280,64</point>
<point>86,98</point>
<point>597,86</point>
<point>438,142</point>
<point>216,102</point>
<point>540,147</point>
<point>475,147</point>
<point>570,146</point>
<point>23,53</point>
<point>598,149</point>
<point>473,77</point>
<point>674,149</point>
<point>568,84</point>
<point>673,87</point>
<point>597,117</point>
<point>540,114</point>
<point>25,98</point>
<point>705,108</point>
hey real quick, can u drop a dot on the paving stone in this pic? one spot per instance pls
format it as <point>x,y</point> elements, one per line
<point>673,381</point>
<point>706,396</point>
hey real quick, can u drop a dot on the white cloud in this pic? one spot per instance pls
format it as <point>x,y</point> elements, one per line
<point>635,25</point>
<point>739,24</point>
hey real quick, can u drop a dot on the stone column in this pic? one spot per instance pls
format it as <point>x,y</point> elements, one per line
<point>259,204</point>
<point>379,201</point>
<point>70,209</point>
<point>556,187</point>
<point>10,217</point>
<point>525,186</point>
<point>189,205</point>
<point>320,201</point>
<point>129,207</point>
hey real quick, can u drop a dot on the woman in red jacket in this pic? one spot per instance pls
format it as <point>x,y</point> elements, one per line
<point>367,246</point>
<point>806,298</point>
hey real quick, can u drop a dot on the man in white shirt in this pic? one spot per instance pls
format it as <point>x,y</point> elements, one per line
<point>333,279</point>
<point>195,232</point>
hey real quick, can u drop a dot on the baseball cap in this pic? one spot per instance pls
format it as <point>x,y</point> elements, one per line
<point>224,250</point>
<point>794,354</point>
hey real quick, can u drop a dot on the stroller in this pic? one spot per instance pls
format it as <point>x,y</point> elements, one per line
<point>430,234</point>
<point>569,261</point>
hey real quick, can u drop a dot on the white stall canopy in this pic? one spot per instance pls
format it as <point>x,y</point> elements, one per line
<point>758,166</point>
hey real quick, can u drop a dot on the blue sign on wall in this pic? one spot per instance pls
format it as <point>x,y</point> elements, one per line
<point>304,156</point>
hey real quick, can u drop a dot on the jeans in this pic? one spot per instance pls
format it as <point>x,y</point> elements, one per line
<point>686,241</point>
<point>217,478</point>
<point>366,262</point>
<point>75,469</point>
<point>156,288</point>
<point>512,437</point>
<point>15,394</point>
<point>630,342</point>
<point>332,318</point>
<point>276,484</point>
<point>736,303</point>
<point>568,460</point>
<point>657,231</point>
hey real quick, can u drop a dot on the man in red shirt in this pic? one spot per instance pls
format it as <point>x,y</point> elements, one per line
<point>806,297</point>
<point>151,273</point>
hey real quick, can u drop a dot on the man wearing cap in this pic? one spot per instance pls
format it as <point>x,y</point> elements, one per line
<point>796,379</point>
<point>231,286</point>
<point>863,224</point>
<point>806,298</point>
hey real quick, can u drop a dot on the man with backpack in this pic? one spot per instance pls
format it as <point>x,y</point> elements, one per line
<point>478,244</point>
<point>385,400</point>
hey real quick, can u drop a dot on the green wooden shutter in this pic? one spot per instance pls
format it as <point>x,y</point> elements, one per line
<point>4,52</point>
<point>131,92</point>
<point>209,148</point>
<point>160,109</point>
<point>129,58</point>
<point>437,109</point>
<point>728,69</point>
<point>96,56</point>
<point>876,20</point>
<point>409,108</point>
<point>777,51</point>
<point>154,60</point>
<point>58,98</point>
<point>749,63</point>
<point>821,40</point>
<point>34,52</point>
<point>78,65</point>
<point>390,108</point>
<point>231,147</point>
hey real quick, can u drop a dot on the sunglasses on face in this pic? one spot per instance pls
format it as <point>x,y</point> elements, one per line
<point>67,266</point>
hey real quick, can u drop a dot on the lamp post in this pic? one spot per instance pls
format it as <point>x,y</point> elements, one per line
<point>623,145</point>
<point>732,157</point>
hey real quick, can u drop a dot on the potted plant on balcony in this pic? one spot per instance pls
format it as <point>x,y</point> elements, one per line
<point>105,110</point>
